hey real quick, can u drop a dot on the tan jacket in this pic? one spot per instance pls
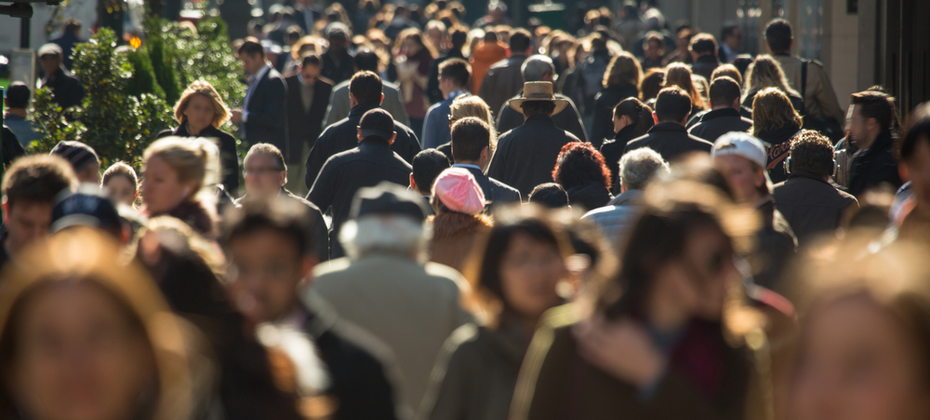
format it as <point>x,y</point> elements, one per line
<point>819,97</point>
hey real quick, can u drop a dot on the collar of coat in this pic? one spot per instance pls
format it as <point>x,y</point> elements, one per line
<point>360,109</point>
<point>882,143</point>
<point>718,113</point>
<point>668,126</point>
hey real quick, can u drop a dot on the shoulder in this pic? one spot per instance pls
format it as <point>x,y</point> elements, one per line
<point>322,82</point>
<point>301,200</point>
<point>273,74</point>
<point>344,86</point>
<point>164,133</point>
<point>445,273</point>
<point>502,186</point>
<point>400,127</point>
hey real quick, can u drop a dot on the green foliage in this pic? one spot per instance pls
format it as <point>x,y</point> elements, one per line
<point>49,119</point>
<point>161,61</point>
<point>143,76</point>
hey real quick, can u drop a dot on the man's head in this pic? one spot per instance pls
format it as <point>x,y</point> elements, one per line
<point>264,171</point>
<point>640,166</point>
<point>252,56</point>
<point>17,96</point>
<point>873,112</point>
<point>673,105</point>
<point>88,207</point>
<point>727,70</point>
<point>520,41</point>
<point>338,35</point>
<point>50,57</point>
<point>270,251</point>
<point>915,154</point>
<point>366,60</point>
<point>83,160</point>
<point>702,44</point>
<point>538,68</point>
<point>310,67</point>
<point>459,38</point>
<point>724,93</point>
<point>549,195</point>
<point>453,75</point>
<point>471,142</point>
<point>732,35</point>
<point>741,158</point>
<point>427,165</point>
<point>377,123</point>
<point>30,186</point>
<point>778,36</point>
<point>386,219</point>
<point>653,46</point>
<point>73,26</point>
<point>538,99</point>
<point>365,88</point>
<point>811,152</point>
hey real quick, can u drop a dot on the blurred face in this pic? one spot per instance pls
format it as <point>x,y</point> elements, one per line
<point>26,222</point>
<point>50,63</point>
<point>78,358</point>
<point>862,131</point>
<point>857,362</point>
<point>199,113</point>
<point>310,73</point>
<point>265,272</point>
<point>653,50</point>
<point>90,173</point>
<point>918,169</point>
<point>161,189</point>
<point>121,190</point>
<point>411,46</point>
<point>262,177</point>
<point>742,176</point>
<point>251,63</point>
<point>733,41</point>
<point>530,271</point>
<point>710,259</point>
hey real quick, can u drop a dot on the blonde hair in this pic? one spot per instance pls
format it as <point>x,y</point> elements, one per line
<point>473,106</point>
<point>772,109</point>
<point>766,72</point>
<point>193,159</point>
<point>679,74</point>
<point>200,87</point>
<point>623,68</point>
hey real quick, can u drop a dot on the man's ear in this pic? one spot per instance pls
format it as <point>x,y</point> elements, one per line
<point>736,104</point>
<point>413,183</point>
<point>360,138</point>
<point>485,153</point>
<point>307,264</point>
<point>282,178</point>
<point>5,207</point>
<point>382,100</point>
<point>393,137</point>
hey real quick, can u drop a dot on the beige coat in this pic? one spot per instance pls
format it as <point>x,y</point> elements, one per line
<point>819,97</point>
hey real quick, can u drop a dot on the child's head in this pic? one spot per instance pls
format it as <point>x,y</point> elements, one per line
<point>121,183</point>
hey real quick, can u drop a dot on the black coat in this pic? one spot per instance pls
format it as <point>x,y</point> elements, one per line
<point>603,126</point>
<point>527,154</point>
<point>568,119</point>
<point>705,66</point>
<point>267,122</point>
<point>495,192</point>
<point>810,204</point>
<point>776,245</point>
<point>589,196</point>
<point>12,148</point>
<point>343,136</point>
<point>670,140</point>
<point>779,141</point>
<point>875,166</point>
<point>229,156</point>
<point>337,66</point>
<point>304,125</point>
<point>613,151</point>
<point>66,88</point>
<point>343,174</point>
<point>713,124</point>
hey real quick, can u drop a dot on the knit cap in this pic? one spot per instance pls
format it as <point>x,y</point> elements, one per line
<point>459,191</point>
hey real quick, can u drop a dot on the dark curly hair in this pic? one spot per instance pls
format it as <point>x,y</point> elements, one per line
<point>812,152</point>
<point>578,164</point>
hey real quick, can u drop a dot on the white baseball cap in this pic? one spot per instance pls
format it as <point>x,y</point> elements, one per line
<point>741,144</point>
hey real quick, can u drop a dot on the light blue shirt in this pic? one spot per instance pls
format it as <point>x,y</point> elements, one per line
<point>436,125</point>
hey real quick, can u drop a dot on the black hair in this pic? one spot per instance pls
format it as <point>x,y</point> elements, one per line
<point>311,59</point>
<point>531,108</point>
<point>470,136</point>
<point>876,105</point>
<point>727,31</point>
<point>456,69</point>
<point>673,105</point>
<point>550,195</point>
<point>778,35</point>
<point>723,91</point>
<point>812,152</point>
<point>520,41</point>
<point>252,47</point>
<point>17,96</point>
<point>703,44</point>
<point>366,60</point>
<point>427,165</point>
<point>366,86</point>
<point>918,130</point>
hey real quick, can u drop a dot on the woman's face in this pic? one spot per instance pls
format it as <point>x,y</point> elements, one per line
<point>77,357</point>
<point>199,112</point>
<point>857,362</point>
<point>530,272</point>
<point>161,189</point>
<point>411,46</point>
<point>121,190</point>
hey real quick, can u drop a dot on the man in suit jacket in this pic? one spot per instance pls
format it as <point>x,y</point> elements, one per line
<point>307,99</point>
<point>503,79</point>
<point>339,106</point>
<point>724,116</point>
<point>453,78</point>
<point>471,140</point>
<point>262,118</point>
<point>669,137</point>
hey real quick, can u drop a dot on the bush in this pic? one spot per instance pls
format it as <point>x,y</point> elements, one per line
<point>143,75</point>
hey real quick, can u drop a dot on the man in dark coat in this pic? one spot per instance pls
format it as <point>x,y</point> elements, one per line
<point>433,92</point>
<point>337,62</point>
<point>526,155</point>
<point>669,136</point>
<point>503,79</point>
<point>364,95</point>
<point>870,131</point>
<point>66,88</point>
<point>68,38</point>
<point>307,98</point>
<point>809,202</point>
<point>471,140</point>
<point>370,163</point>
<point>724,116</point>
<point>540,68</point>
<point>360,368</point>
<point>262,118</point>
<point>703,49</point>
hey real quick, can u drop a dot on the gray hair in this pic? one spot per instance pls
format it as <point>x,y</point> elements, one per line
<point>639,166</point>
<point>396,235</point>
<point>535,67</point>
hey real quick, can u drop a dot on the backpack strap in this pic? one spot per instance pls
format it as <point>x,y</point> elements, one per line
<point>804,64</point>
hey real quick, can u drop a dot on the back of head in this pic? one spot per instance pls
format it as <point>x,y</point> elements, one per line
<point>386,219</point>
<point>766,72</point>
<point>427,165</point>
<point>678,74</point>
<point>703,43</point>
<point>459,37</point>
<point>366,60</point>
<point>640,166</point>
<point>549,195</point>
<point>727,70</point>
<point>580,164</point>
<point>520,41</point>
<point>72,25</point>
<point>78,154</point>
<point>366,87</point>
<point>17,96</point>
<point>639,114</point>
<point>652,83</point>
<point>811,152</point>
<point>917,130</point>
<point>623,69</point>
<point>192,159</point>
<point>878,105</point>
<point>724,91</point>
<point>470,136</point>
<point>287,218</point>
<point>252,47</point>
<point>536,67</point>
<point>778,36</point>
<point>472,106</point>
<point>771,109</point>
<point>457,70</point>
<point>37,180</point>
<point>673,105</point>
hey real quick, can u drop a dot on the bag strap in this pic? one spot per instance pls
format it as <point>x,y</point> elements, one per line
<point>804,64</point>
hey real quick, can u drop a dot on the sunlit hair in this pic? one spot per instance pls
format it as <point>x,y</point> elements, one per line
<point>121,169</point>
<point>200,87</point>
<point>579,164</point>
<point>678,74</point>
<point>178,237</point>
<point>305,42</point>
<point>400,236</point>
<point>766,72</point>
<point>473,106</point>
<point>193,159</point>
<point>728,70</point>
<point>87,258</point>
<point>415,35</point>
<point>772,109</point>
<point>652,83</point>
<point>623,69</point>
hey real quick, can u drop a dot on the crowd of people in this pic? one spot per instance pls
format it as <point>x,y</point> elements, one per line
<point>439,221</point>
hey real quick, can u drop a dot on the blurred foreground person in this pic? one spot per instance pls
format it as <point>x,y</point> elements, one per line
<point>914,219</point>
<point>514,279</point>
<point>384,286</point>
<point>121,183</point>
<point>581,171</point>
<point>458,204</point>
<point>83,160</point>
<point>84,337</point>
<point>668,336</point>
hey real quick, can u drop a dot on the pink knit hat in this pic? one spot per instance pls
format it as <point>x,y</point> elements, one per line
<point>459,191</point>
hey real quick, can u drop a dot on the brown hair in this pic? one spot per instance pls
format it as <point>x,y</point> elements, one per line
<point>623,68</point>
<point>728,70</point>
<point>473,106</point>
<point>772,109</point>
<point>876,105</point>
<point>652,83</point>
<point>37,179</point>
<point>678,74</point>
<point>200,87</point>
<point>578,164</point>
<point>766,72</point>
<point>121,169</point>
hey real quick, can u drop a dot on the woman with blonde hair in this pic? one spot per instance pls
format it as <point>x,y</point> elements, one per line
<point>678,74</point>
<point>200,113</point>
<point>763,73</point>
<point>413,58</point>
<point>775,122</point>
<point>621,81</point>
<point>469,106</point>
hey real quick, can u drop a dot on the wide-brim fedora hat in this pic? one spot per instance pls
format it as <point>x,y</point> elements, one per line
<point>538,91</point>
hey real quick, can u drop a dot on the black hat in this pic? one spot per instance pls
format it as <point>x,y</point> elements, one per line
<point>76,153</point>
<point>377,122</point>
<point>86,207</point>
<point>388,198</point>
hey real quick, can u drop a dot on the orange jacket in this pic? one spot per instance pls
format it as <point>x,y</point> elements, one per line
<point>482,58</point>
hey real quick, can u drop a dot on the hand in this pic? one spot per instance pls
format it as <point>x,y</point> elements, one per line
<point>621,348</point>
<point>235,116</point>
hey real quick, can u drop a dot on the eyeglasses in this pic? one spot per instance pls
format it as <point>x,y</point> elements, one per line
<point>261,171</point>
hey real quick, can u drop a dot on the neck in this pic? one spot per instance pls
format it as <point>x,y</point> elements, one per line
<point>666,316</point>
<point>469,162</point>
<point>17,111</point>
<point>193,130</point>
<point>870,141</point>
